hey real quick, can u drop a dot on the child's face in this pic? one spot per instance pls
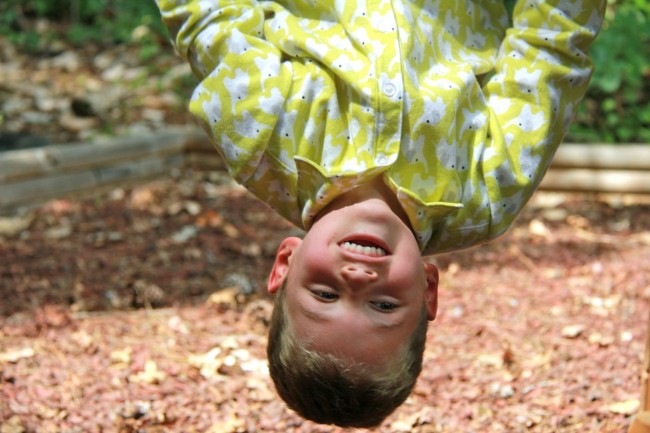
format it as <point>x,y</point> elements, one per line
<point>356,302</point>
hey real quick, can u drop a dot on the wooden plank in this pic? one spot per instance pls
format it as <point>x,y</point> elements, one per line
<point>205,161</point>
<point>198,141</point>
<point>29,191</point>
<point>30,163</point>
<point>578,180</point>
<point>611,157</point>
<point>586,180</point>
<point>624,157</point>
<point>34,174</point>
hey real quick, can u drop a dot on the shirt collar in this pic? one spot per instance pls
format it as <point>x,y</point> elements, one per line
<point>426,217</point>
<point>317,188</point>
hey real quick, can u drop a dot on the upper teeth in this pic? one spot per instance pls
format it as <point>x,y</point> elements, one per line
<point>372,251</point>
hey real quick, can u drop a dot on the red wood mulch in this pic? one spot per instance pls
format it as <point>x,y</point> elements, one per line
<point>107,324</point>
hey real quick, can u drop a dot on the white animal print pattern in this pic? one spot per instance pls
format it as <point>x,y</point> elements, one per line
<point>459,113</point>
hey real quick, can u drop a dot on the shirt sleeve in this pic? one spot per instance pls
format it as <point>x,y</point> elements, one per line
<point>246,99</point>
<point>202,30</point>
<point>542,73</point>
<point>244,80</point>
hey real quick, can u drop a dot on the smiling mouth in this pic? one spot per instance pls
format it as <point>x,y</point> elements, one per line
<point>365,248</point>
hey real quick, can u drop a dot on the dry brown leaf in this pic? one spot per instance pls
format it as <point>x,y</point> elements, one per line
<point>627,407</point>
<point>83,339</point>
<point>122,356</point>
<point>151,374</point>
<point>11,226</point>
<point>234,424</point>
<point>538,228</point>
<point>15,355</point>
<point>12,425</point>
<point>210,218</point>
<point>229,366</point>
<point>228,297</point>
<point>230,230</point>
<point>207,363</point>
<point>600,339</point>
<point>572,331</point>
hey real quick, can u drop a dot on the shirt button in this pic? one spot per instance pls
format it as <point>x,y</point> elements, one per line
<point>389,89</point>
<point>382,160</point>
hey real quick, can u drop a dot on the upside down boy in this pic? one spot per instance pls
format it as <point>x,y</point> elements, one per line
<point>389,130</point>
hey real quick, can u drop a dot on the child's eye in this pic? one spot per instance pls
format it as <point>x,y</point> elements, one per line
<point>327,296</point>
<point>385,306</point>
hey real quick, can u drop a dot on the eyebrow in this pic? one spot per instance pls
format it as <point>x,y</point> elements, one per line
<point>389,325</point>
<point>317,317</point>
<point>313,314</point>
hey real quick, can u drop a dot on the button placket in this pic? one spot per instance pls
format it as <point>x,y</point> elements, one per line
<point>389,89</point>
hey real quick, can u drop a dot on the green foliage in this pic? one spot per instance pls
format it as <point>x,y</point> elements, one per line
<point>616,108</point>
<point>81,21</point>
<point>617,105</point>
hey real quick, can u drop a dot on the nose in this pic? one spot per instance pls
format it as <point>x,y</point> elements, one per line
<point>358,274</point>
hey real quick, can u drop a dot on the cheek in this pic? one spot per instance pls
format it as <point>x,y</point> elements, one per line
<point>408,276</point>
<point>316,261</point>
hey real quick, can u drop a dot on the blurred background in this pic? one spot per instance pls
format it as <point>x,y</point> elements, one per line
<point>139,306</point>
<point>73,70</point>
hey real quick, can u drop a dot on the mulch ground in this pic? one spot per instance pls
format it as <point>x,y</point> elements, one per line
<point>142,310</point>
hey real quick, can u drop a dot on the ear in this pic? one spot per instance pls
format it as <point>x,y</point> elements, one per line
<point>281,264</point>
<point>431,292</point>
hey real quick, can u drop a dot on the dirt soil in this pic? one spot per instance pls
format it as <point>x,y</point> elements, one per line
<point>143,309</point>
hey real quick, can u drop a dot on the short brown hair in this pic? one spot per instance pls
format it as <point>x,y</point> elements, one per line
<point>328,390</point>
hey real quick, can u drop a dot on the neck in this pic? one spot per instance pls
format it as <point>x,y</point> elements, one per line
<point>375,189</point>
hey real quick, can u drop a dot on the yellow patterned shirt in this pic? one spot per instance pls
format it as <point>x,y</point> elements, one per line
<point>458,110</point>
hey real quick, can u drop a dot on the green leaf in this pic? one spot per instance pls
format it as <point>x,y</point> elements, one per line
<point>609,83</point>
<point>644,135</point>
<point>626,134</point>
<point>609,104</point>
<point>581,134</point>
<point>644,114</point>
